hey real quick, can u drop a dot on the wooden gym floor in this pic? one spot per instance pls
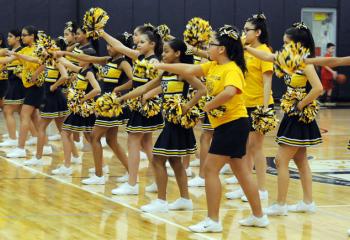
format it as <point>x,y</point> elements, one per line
<point>36,205</point>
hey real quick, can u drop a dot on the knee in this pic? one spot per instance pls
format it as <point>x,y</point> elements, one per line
<point>176,164</point>
<point>111,140</point>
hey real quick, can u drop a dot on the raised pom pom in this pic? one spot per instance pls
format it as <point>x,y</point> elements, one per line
<point>264,120</point>
<point>290,59</point>
<point>197,32</point>
<point>95,20</point>
<point>108,106</point>
<point>44,47</point>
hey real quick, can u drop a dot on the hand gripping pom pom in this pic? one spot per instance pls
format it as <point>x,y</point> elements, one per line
<point>95,20</point>
<point>108,106</point>
<point>197,32</point>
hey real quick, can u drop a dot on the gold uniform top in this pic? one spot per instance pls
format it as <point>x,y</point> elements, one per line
<point>111,74</point>
<point>52,74</point>
<point>254,89</point>
<point>297,80</point>
<point>172,85</point>
<point>28,67</point>
<point>217,78</point>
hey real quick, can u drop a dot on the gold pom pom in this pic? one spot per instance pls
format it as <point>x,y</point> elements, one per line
<point>152,107</point>
<point>144,69</point>
<point>217,112</point>
<point>44,47</point>
<point>77,106</point>
<point>264,120</point>
<point>197,32</point>
<point>94,20</point>
<point>3,73</point>
<point>164,32</point>
<point>134,104</point>
<point>191,118</point>
<point>40,80</point>
<point>108,106</point>
<point>172,109</point>
<point>289,105</point>
<point>18,70</point>
<point>290,59</point>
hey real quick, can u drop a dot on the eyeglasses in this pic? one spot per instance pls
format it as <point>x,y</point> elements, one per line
<point>214,44</point>
<point>248,29</point>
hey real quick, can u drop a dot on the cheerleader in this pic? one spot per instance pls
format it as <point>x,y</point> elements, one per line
<point>33,93</point>
<point>115,69</point>
<point>139,127</point>
<point>78,121</point>
<point>294,136</point>
<point>15,92</point>
<point>228,117</point>
<point>3,75</point>
<point>257,93</point>
<point>175,140</point>
<point>54,104</point>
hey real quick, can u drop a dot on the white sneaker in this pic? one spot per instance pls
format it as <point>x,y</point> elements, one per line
<point>226,169</point>
<point>196,182</point>
<point>349,232</point>
<point>195,163</point>
<point>152,188</point>
<point>126,189</point>
<point>207,225</point>
<point>143,156</point>
<point>253,221</point>
<point>104,142</point>
<point>94,180</point>
<point>17,153</point>
<point>276,210</point>
<point>9,143</point>
<point>105,169</point>
<point>32,141</point>
<point>189,172</point>
<point>62,171</point>
<point>167,164</point>
<point>157,205</point>
<point>47,150</point>
<point>231,180</point>
<point>33,162</point>
<point>238,193</point>
<point>302,207</point>
<point>55,137</point>
<point>79,145</point>
<point>76,160</point>
<point>263,195</point>
<point>181,204</point>
<point>123,178</point>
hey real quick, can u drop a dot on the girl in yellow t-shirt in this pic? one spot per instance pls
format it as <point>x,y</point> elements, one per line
<point>257,92</point>
<point>295,136</point>
<point>228,116</point>
<point>33,93</point>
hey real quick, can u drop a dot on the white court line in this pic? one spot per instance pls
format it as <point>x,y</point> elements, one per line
<point>106,198</point>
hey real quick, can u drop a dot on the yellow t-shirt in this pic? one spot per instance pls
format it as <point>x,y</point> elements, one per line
<point>28,67</point>
<point>218,77</point>
<point>254,89</point>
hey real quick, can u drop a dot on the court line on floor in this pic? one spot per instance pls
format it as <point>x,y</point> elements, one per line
<point>203,236</point>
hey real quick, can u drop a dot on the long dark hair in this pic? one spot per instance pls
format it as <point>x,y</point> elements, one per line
<point>260,23</point>
<point>3,41</point>
<point>228,37</point>
<point>179,45</point>
<point>32,30</point>
<point>155,37</point>
<point>299,32</point>
<point>17,33</point>
<point>61,43</point>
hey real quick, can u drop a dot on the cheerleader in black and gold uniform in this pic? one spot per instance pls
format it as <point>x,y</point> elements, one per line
<point>175,140</point>
<point>114,69</point>
<point>33,93</point>
<point>3,75</point>
<point>15,93</point>
<point>139,127</point>
<point>294,135</point>
<point>54,104</point>
<point>82,119</point>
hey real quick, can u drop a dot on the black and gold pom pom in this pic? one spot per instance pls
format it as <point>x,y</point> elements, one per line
<point>94,20</point>
<point>40,79</point>
<point>144,69</point>
<point>164,32</point>
<point>108,106</point>
<point>151,107</point>
<point>77,106</point>
<point>197,32</point>
<point>18,70</point>
<point>217,112</point>
<point>191,118</point>
<point>291,58</point>
<point>264,120</point>
<point>134,104</point>
<point>3,73</point>
<point>309,113</point>
<point>44,48</point>
<point>172,109</point>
